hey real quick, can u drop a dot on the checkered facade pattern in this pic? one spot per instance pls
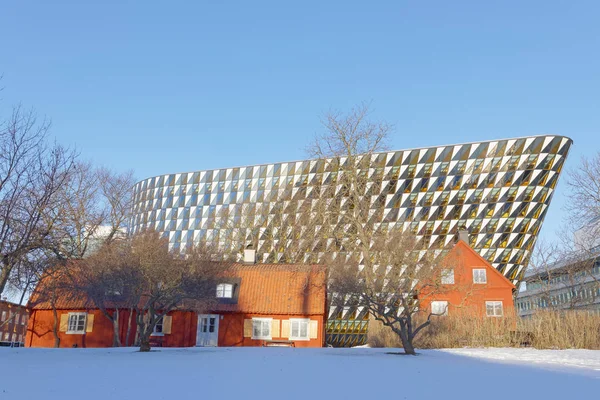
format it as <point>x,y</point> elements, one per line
<point>498,190</point>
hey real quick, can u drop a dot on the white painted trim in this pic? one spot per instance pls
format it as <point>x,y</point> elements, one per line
<point>445,308</point>
<point>447,275</point>
<point>270,322</point>
<point>69,332</point>
<point>224,287</point>
<point>494,307</point>
<point>307,338</point>
<point>485,274</point>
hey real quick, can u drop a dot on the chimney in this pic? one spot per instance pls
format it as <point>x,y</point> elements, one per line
<point>249,256</point>
<point>463,234</point>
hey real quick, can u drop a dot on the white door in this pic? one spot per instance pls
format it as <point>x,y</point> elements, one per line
<point>208,330</point>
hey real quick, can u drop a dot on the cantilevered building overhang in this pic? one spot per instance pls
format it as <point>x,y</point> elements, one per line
<point>499,190</point>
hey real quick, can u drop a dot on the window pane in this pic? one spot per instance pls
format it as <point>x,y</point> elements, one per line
<point>81,322</point>
<point>224,290</point>
<point>479,276</point>
<point>447,276</point>
<point>303,329</point>
<point>256,328</point>
<point>499,308</point>
<point>439,307</point>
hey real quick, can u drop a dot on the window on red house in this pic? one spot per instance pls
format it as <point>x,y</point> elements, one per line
<point>447,276</point>
<point>493,308</point>
<point>479,275</point>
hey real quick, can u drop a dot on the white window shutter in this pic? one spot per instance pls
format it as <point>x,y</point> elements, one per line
<point>285,328</point>
<point>167,322</point>
<point>313,329</point>
<point>275,328</point>
<point>247,328</point>
<point>64,322</point>
<point>89,323</point>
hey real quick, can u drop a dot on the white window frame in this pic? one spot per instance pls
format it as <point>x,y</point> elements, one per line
<point>76,331</point>
<point>160,323</point>
<point>476,277</point>
<point>224,291</point>
<point>448,276</point>
<point>443,303</point>
<point>268,322</point>
<point>6,336</point>
<point>494,304</point>
<point>3,316</point>
<point>299,321</point>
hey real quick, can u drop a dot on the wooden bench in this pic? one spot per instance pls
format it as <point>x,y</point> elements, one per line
<point>279,343</point>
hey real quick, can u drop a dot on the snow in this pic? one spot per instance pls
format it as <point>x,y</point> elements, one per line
<point>289,374</point>
<point>551,359</point>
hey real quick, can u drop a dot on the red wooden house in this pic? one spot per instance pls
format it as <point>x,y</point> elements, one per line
<point>257,304</point>
<point>263,303</point>
<point>13,318</point>
<point>469,285</point>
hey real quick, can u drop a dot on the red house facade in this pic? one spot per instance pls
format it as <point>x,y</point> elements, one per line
<point>13,323</point>
<point>257,304</point>
<point>469,285</point>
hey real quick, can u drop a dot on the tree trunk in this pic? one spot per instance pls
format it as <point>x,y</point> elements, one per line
<point>409,348</point>
<point>144,343</point>
<point>143,332</point>
<point>116,333</point>
<point>55,328</point>
<point>407,344</point>
<point>128,327</point>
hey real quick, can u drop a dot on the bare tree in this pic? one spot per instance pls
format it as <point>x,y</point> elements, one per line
<point>117,197</point>
<point>561,274</point>
<point>391,279</point>
<point>584,193</point>
<point>375,263</point>
<point>562,277</point>
<point>109,281</point>
<point>94,208</point>
<point>170,281</point>
<point>31,174</point>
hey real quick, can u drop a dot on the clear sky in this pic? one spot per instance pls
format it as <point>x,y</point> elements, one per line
<point>162,87</point>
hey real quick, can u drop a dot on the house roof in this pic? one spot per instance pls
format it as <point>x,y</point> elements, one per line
<point>278,289</point>
<point>461,244</point>
<point>54,288</point>
<point>262,289</point>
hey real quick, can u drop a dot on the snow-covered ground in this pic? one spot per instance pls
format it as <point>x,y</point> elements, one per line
<point>287,374</point>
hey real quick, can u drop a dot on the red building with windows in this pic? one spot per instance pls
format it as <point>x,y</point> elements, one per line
<point>469,285</point>
<point>257,304</point>
<point>264,304</point>
<point>13,323</point>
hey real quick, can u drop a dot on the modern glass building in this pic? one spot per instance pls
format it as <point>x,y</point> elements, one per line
<point>499,190</point>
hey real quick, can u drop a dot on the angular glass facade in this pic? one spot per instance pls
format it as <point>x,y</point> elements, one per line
<point>499,190</point>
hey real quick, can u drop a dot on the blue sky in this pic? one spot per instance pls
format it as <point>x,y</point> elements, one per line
<point>163,87</point>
